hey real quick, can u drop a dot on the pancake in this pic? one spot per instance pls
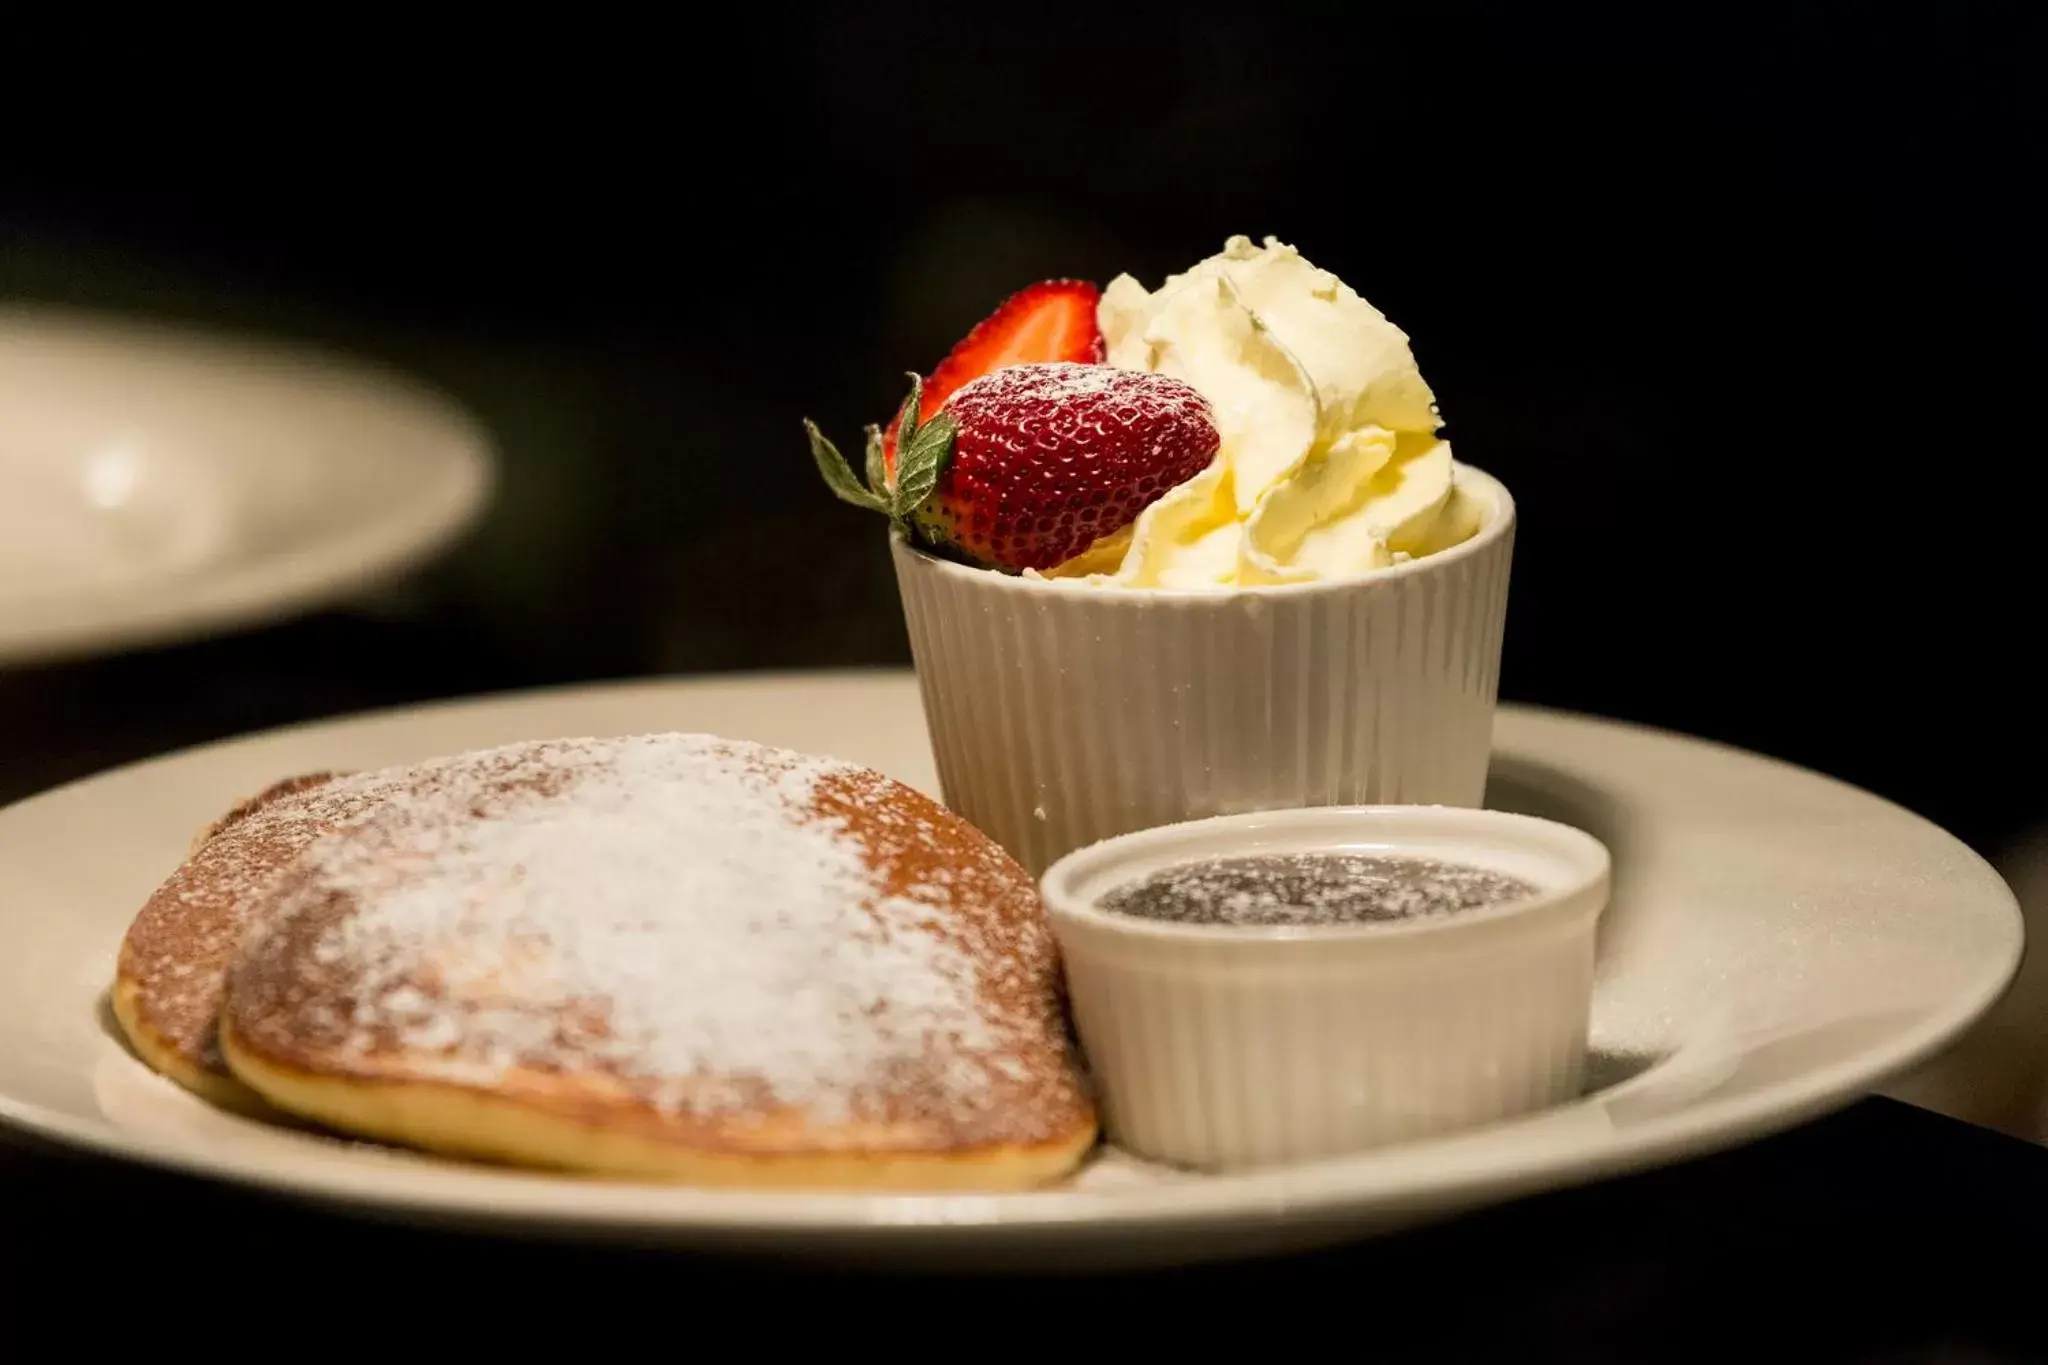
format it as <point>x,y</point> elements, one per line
<point>667,957</point>
<point>172,971</point>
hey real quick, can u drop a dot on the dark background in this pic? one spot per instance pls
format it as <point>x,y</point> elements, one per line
<point>1743,306</point>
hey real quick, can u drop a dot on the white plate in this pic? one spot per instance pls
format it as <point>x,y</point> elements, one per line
<point>156,484</point>
<point>1781,941</point>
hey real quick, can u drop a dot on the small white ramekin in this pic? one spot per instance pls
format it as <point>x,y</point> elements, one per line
<point>1062,713</point>
<point>1222,1047</point>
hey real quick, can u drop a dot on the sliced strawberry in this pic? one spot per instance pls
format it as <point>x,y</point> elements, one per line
<point>1051,321</point>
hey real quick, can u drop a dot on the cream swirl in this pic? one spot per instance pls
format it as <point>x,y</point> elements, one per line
<point>1329,466</point>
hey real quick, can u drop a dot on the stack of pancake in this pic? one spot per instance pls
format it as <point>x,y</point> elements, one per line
<point>669,957</point>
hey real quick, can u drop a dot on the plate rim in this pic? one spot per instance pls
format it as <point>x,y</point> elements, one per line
<point>1461,1169</point>
<point>290,581</point>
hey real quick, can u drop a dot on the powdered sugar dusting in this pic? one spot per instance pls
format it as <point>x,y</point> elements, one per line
<point>675,912</point>
<point>179,948</point>
<point>1145,392</point>
<point>1313,889</point>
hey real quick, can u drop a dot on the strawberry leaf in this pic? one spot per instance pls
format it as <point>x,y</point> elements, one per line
<point>920,463</point>
<point>838,476</point>
<point>878,468</point>
<point>907,416</point>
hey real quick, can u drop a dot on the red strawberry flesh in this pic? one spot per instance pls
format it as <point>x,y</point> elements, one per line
<point>1046,459</point>
<point>1053,320</point>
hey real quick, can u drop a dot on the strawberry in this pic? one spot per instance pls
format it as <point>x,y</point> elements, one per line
<point>1051,320</point>
<point>1027,466</point>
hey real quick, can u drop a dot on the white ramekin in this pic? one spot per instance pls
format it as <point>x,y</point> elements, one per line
<point>1220,1047</point>
<point>1061,714</point>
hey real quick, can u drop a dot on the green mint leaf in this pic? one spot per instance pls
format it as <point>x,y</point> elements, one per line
<point>878,472</point>
<point>838,477</point>
<point>919,464</point>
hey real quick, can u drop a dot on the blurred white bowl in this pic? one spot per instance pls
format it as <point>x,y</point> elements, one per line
<point>157,485</point>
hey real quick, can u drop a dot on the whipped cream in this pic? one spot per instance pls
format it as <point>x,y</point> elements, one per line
<point>1330,464</point>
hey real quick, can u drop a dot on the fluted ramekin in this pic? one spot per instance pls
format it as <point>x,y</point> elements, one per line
<point>1061,714</point>
<point>1225,1047</point>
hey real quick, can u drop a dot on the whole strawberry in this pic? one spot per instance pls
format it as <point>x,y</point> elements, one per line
<point>1027,466</point>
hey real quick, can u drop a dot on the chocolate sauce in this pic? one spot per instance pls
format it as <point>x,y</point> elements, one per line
<point>1313,889</point>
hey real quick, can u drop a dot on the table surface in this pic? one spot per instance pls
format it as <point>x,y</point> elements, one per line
<point>1882,1233</point>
